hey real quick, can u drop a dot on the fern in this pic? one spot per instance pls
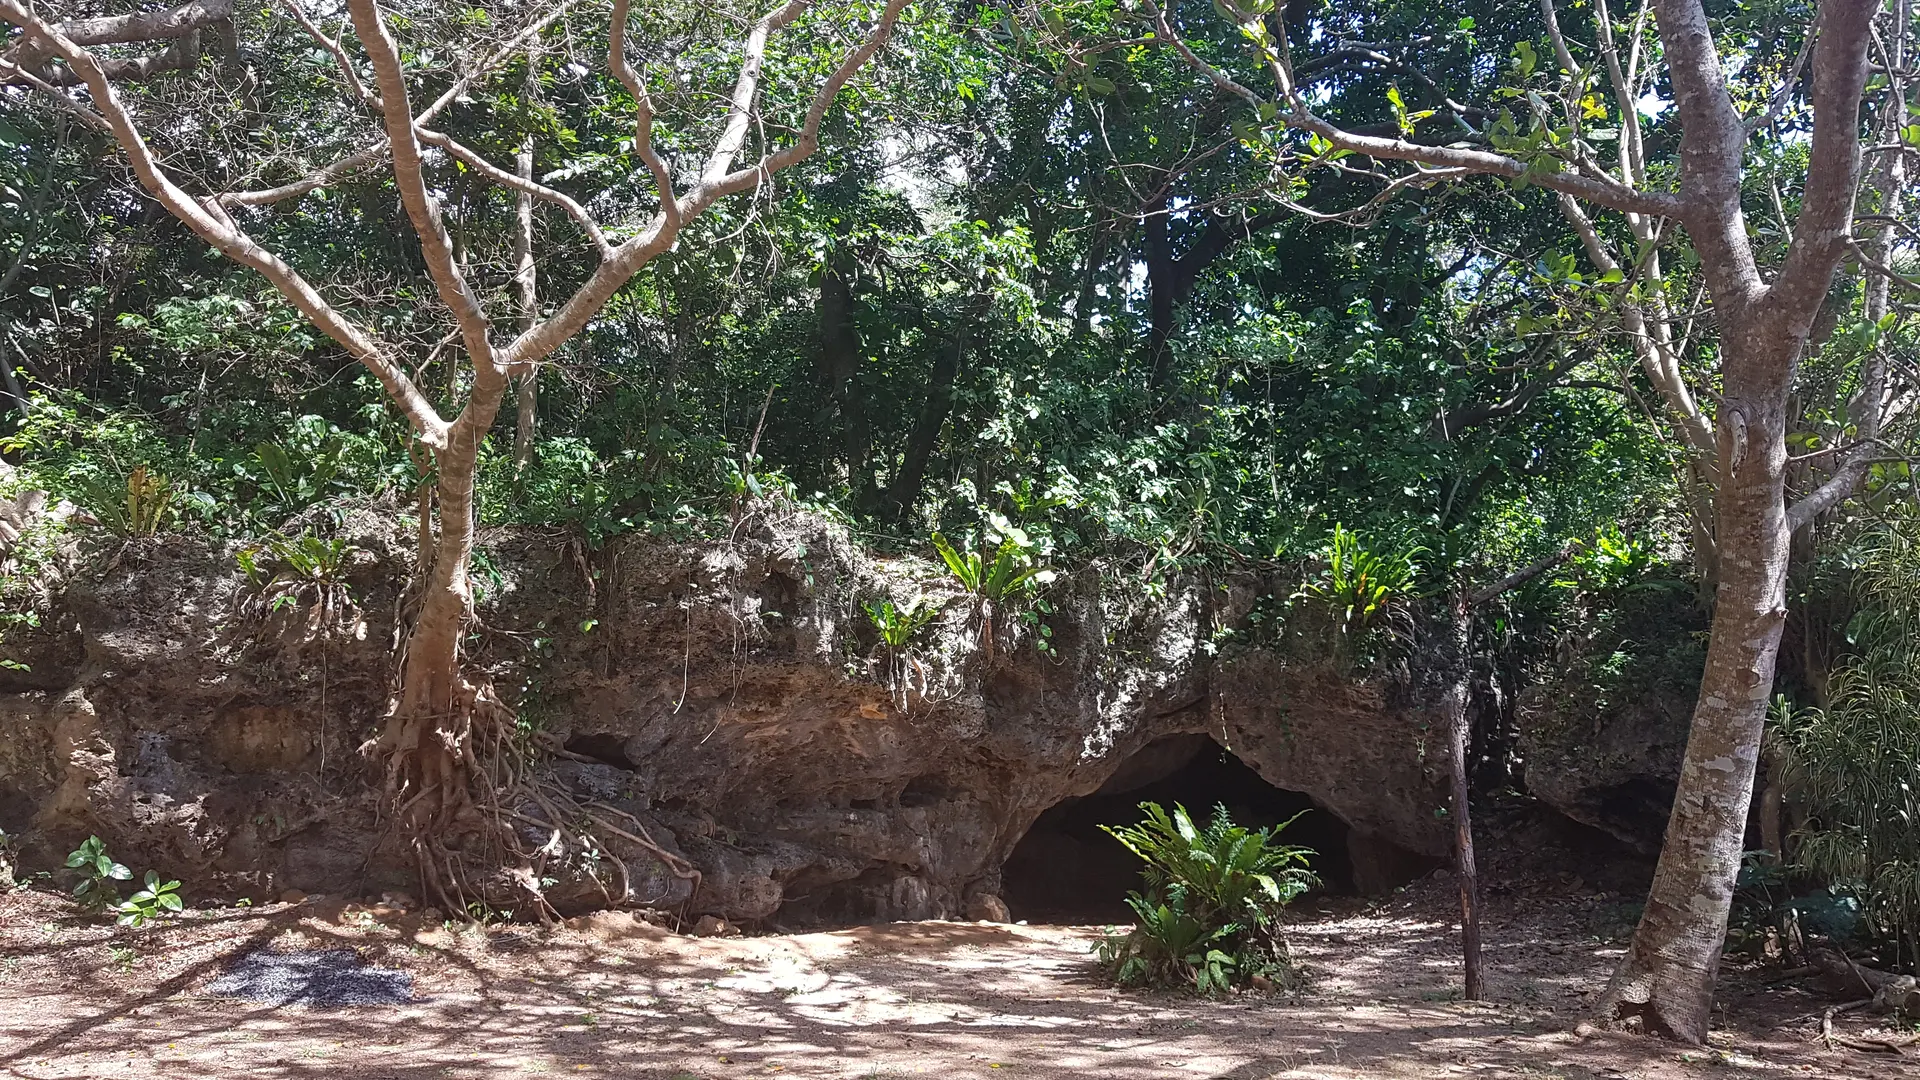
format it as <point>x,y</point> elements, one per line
<point>1210,911</point>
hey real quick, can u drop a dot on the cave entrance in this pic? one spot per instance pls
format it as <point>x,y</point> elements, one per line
<point>1066,870</point>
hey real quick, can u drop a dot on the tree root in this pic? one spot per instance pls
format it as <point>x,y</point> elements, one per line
<point>458,784</point>
<point>1865,1044</point>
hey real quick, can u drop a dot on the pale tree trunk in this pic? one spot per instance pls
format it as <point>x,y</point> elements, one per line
<point>526,294</point>
<point>1665,985</point>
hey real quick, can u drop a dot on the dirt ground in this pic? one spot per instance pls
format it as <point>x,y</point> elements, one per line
<point>609,996</point>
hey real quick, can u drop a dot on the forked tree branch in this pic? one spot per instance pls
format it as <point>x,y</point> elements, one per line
<point>377,152</point>
<point>746,88</point>
<point>643,112</point>
<point>627,259</point>
<point>422,208</point>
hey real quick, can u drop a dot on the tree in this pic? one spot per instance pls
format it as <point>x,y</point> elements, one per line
<point>438,722</point>
<point>1764,314</point>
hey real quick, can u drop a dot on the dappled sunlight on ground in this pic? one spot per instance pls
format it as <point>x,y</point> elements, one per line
<point>607,996</point>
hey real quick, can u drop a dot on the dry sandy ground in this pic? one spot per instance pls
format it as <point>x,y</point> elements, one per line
<point>611,997</point>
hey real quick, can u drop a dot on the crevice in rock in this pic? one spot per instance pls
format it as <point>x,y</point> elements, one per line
<point>1066,870</point>
<point>601,746</point>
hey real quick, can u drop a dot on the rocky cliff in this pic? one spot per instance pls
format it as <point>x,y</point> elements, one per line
<point>732,696</point>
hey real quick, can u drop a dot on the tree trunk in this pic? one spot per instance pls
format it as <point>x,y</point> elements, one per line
<point>1162,291</point>
<point>1665,985</point>
<point>527,297</point>
<point>840,368</point>
<point>1459,732</point>
<point>428,742</point>
<point>905,490</point>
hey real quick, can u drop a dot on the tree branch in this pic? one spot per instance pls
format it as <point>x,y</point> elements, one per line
<point>627,259</point>
<point>422,208</point>
<point>643,113</point>
<point>1821,233</point>
<point>1526,573</point>
<point>1295,113</point>
<point>180,25</point>
<point>733,133</point>
<point>214,226</point>
<point>521,184</point>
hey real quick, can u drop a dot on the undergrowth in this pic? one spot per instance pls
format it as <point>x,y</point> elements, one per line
<point>1209,915</point>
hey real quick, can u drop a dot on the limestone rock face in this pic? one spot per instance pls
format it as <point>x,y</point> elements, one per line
<point>728,703</point>
<point>1603,736</point>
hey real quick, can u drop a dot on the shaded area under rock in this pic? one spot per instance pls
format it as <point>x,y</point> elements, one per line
<point>1067,870</point>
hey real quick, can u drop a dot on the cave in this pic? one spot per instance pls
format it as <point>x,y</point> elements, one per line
<point>1067,870</point>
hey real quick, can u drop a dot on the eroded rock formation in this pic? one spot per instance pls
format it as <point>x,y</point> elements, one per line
<point>733,696</point>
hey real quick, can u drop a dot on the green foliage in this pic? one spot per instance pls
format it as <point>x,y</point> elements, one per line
<point>898,625</point>
<point>138,504</point>
<point>97,871</point>
<point>1011,571</point>
<point>1361,585</point>
<point>157,900</point>
<point>1209,914</point>
<point>308,571</point>
<point>1852,770</point>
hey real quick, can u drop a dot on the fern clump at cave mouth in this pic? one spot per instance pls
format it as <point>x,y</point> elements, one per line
<point>1209,914</point>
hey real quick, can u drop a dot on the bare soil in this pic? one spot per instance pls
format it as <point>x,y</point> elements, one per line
<point>610,996</point>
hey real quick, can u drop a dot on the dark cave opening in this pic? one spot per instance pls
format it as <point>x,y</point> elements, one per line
<point>1066,870</point>
<point>601,746</point>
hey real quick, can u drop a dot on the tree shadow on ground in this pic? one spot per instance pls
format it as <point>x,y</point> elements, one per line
<point>611,997</point>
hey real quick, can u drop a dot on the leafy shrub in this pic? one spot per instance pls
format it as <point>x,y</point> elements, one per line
<point>1361,586</point>
<point>304,571</point>
<point>98,872</point>
<point>138,504</point>
<point>1003,577</point>
<point>1209,914</point>
<point>898,625</point>
<point>1851,769</point>
<point>157,900</point>
<point>1010,571</point>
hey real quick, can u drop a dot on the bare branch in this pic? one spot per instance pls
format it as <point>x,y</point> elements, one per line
<point>1652,345</point>
<point>87,116</point>
<point>521,184</point>
<point>1526,573</point>
<point>1560,50</point>
<point>808,138</point>
<point>378,152</point>
<point>213,225</point>
<point>627,259</point>
<point>733,134</point>
<point>332,45</point>
<point>422,208</point>
<point>180,25</point>
<point>311,182</point>
<point>643,113</point>
<point>499,56</point>
<point>1777,103</point>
